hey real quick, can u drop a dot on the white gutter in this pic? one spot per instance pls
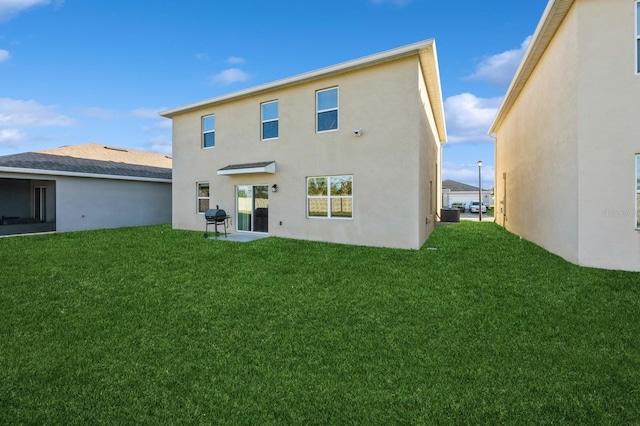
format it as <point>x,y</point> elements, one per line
<point>78,174</point>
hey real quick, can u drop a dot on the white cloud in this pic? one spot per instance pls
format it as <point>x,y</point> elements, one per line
<point>202,56</point>
<point>11,136</point>
<point>19,114</point>
<point>146,113</point>
<point>18,117</point>
<point>230,76</point>
<point>10,8</point>
<point>4,55</point>
<point>469,117</point>
<point>151,114</point>
<point>164,124</point>
<point>160,144</point>
<point>160,124</point>
<point>234,60</point>
<point>498,70</point>
<point>98,112</point>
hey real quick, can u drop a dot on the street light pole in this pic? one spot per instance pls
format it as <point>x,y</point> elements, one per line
<point>480,190</point>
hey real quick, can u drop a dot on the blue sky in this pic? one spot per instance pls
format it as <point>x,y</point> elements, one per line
<point>81,71</point>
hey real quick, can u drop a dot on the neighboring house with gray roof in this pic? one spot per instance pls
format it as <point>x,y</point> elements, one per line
<point>82,187</point>
<point>458,192</point>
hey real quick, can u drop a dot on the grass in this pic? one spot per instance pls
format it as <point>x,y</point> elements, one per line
<point>154,326</point>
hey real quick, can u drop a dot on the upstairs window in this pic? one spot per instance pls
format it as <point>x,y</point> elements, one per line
<point>330,197</point>
<point>269,120</point>
<point>209,131</point>
<point>203,197</point>
<point>637,191</point>
<point>327,110</point>
<point>638,37</point>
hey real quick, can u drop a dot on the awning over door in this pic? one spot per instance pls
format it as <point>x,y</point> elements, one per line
<point>248,168</point>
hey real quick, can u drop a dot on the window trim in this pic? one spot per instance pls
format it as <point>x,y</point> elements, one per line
<point>637,185</point>
<point>207,132</point>
<point>637,34</point>
<point>328,197</point>
<point>263,121</point>
<point>200,198</point>
<point>337,109</point>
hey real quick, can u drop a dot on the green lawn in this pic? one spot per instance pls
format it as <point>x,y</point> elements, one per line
<point>153,326</point>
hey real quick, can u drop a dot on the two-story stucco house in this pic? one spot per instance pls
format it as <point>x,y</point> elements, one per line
<point>568,136</point>
<point>350,153</point>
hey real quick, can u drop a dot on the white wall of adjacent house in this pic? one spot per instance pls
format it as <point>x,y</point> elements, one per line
<point>90,203</point>
<point>466,197</point>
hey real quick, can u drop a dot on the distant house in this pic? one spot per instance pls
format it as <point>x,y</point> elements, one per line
<point>567,136</point>
<point>457,192</point>
<point>83,187</point>
<point>347,154</point>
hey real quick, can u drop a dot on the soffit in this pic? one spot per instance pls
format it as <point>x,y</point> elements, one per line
<point>429,64</point>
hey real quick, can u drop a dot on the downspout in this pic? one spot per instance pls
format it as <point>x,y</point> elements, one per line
<point>494,136</point>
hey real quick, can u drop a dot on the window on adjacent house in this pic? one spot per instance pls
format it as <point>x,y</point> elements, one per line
<point>330,196</point>
<point>637,191</point>
<point>269,119</point>
<point>203,197</point>
<point>209,131</point>
<point>327,109</point>
<point>638,37</point>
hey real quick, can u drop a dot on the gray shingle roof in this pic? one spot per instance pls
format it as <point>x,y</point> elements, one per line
<point>247,165</point>
<point>62,163</point>
<point>457,186</point>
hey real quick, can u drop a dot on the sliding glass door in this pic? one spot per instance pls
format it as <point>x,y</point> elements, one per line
<point>252,208</point>
<point>40,203</point>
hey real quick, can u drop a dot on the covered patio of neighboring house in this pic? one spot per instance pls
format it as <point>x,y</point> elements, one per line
<point>83,187</point>
<point>27,206</point>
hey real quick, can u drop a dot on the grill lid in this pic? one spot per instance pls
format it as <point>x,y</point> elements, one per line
<point>215,214</point>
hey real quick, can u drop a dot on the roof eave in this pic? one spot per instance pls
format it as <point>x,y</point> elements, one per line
<point>366,61</point>
<point>44,172</point>
<point>552,18</point>
<point>429,62</point>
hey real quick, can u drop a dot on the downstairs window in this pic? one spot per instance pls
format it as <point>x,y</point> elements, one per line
<point>330,197</point>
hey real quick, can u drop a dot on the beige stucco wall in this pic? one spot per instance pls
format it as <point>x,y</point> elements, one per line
<point>609,135</point>
<point>536,151</point>
<point>568,145</point>
<point>430,167</point>
<point>385,161</point>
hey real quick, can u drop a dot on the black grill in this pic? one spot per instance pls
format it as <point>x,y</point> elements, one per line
<point>215,217</point>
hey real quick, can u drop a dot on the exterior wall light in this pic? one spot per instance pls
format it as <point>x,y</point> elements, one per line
<point>274,188</point>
